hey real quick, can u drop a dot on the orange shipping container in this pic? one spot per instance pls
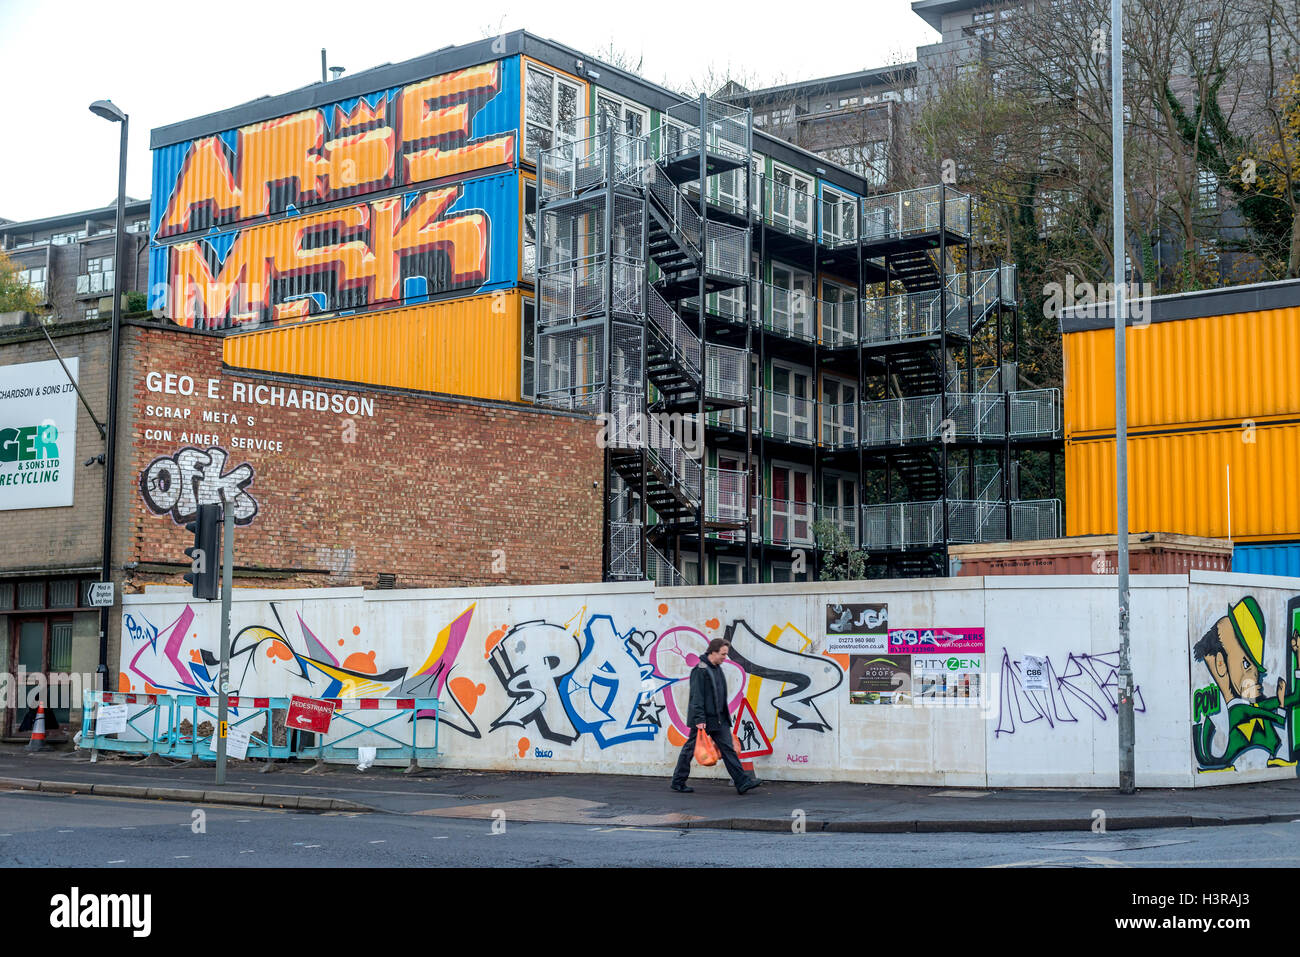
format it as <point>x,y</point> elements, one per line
<point>1220,483</point>
<point>469,347</point>
<point>1222,368</point>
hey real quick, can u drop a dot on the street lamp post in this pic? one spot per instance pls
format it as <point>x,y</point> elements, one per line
<point>1127,782</point>
<point>106,109</point>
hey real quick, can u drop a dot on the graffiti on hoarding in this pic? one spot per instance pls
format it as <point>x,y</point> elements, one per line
<point>424,131</point>
<point>1233,717</point>
<point>1090,680</point>
<point>384,251</point>
<point>178,659</point>
<point>178,484</point>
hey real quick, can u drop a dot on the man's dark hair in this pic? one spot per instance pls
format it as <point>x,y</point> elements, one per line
<point>1210,644</point>
<point>717,644</point>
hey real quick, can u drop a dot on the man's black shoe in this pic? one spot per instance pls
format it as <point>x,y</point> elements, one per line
<point>684,788</point>
<point>748,786</point>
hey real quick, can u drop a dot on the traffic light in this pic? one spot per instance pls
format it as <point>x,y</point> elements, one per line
<point>205,554</point>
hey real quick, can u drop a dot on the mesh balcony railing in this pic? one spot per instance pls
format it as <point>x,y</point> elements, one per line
<point>914,212</point>
<point>895,421</point>
<point>788,313</point>
<point>726,250</point>
<point>726,372</point>
<point>733,420</point>
<point>576,290</point>
<point>726,130</point>
<point>789,418</point>
<point>661,570</point>
<point>725,491</point>
<point>978,415</point>
<point>843,519</point>
<point>910,316</point>
<point>624,550</point>
<point>788,209</point>
<point>789,522</point>
<point>988,482</point>
<point>970,521</point>
<point>678,209</point>
<point>839,323</point>
<point>673,459</point>
<point>839,222</point>
<point>839,425</point>
<point>1036,412</point>
<point>675,334</point>
<point>581,160</point>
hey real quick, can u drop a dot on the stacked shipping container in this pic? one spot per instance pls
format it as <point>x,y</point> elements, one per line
<point>1213,387</point>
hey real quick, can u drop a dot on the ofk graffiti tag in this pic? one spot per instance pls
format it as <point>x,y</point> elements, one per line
<point>1234,712</point>
<point>178,484</point>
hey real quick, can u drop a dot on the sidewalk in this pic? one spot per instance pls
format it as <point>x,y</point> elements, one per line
<point>622,800</point>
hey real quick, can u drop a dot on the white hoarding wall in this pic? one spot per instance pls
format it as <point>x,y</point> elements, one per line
<point>38,434</point>
<point>593,677</point>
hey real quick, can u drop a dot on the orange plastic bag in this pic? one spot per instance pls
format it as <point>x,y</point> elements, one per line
<point>706,752</point>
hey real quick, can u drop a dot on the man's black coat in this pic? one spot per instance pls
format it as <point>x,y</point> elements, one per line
<point>708,698</point>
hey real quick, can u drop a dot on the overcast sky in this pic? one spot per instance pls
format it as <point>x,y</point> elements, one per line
<point>162,61</point>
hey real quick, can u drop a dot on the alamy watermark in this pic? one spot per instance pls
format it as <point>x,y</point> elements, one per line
<point>1073,294</point>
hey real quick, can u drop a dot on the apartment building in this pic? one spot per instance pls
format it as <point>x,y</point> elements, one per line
<point>69,258</point>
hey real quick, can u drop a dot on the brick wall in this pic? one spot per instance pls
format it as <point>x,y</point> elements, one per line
<point>64,537</point>
<point>437,491</point>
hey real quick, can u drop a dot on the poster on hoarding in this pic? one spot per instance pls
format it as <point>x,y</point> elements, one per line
<point>880,679</point>
<point>38,434</point>
<point>947,676</point>
<point>935,641</point>
<point>857,629</point>
<point>1033,673</point>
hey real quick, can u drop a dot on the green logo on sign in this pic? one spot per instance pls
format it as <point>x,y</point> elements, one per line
<point>29,444</point>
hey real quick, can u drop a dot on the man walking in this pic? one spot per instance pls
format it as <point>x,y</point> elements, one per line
<point>708,712</point>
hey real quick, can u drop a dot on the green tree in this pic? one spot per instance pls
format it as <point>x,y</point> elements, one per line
<point>16,295</point>
<point>842,560</point>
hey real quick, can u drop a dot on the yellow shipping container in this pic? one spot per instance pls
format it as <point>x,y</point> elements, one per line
<point>469,347</point>
<point>1190,483</point>
<point>1204,370</point>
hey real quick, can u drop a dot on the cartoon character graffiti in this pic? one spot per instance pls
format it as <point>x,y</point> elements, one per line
<point>1232,651</point>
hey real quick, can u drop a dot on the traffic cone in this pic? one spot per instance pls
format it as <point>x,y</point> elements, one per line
<point>37,743</point>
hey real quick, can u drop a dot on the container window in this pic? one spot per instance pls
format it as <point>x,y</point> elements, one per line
<point>528,387</point>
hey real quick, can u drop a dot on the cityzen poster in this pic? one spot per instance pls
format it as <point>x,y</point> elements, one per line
<point>38,434</point>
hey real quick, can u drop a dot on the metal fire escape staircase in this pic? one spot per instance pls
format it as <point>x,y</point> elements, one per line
<point>606,211</point>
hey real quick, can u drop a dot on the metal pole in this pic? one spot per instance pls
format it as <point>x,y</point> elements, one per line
<point>704,348</point>
<point>223,675</point>
<point>110,438</point>
<point>1126,742</point>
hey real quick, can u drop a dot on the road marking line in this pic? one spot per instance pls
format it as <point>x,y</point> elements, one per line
<point>378,842</point>
<point>181,857</point>
<point>245,852</point>
<point>132,828</point>
<point>65,832</point>
<point>311,845</point>
<point>123,861</point>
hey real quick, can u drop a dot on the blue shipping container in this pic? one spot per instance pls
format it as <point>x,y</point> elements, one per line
<point>1269,559</point>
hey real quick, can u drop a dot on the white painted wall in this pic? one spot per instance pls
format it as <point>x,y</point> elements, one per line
<point>637,637</point>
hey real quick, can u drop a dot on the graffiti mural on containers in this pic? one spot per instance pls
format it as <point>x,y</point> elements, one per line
<point>588,677</point>
<point>448,125</point>
<point>396,250</point>
<point>178,484</point>
<point>1082,681</point>
<point>1235,724</point>
<point>269,659</point>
